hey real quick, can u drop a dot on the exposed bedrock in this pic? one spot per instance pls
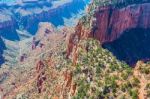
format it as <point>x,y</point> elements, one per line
<point>124,31</point>
<point>112,22</point>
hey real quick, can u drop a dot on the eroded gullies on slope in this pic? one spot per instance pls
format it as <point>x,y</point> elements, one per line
<point>131,46</point>
<point>2,47</point>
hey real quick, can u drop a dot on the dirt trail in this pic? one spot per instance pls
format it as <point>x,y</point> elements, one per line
<point>143,83</point>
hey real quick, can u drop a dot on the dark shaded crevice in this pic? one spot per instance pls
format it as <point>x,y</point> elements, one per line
<point>2,48</point>
<point>9,33</point>
<point>109,19</point>
<point>133,45</point>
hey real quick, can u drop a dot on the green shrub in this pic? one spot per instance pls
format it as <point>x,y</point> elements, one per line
<point>134,94</point>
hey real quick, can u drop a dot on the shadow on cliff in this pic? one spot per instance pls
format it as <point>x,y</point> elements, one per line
<point>133,45</point>
<point>9,33</point>
<point>2,48</point>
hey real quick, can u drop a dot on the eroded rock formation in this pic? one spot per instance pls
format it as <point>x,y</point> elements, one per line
<point>110,22</point>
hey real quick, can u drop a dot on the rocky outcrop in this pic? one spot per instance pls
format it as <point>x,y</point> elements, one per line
<point>110,22</point>
<point>41,76</point>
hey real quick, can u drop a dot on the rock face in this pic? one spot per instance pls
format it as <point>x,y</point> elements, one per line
<point>110,23</point>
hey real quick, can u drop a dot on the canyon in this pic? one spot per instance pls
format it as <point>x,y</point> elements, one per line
<point>105,56</point>
<point>16,21</point>
<point>28,37</point>
<point>23,16</point>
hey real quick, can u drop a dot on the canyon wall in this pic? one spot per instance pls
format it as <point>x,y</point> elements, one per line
<point>110,22</point>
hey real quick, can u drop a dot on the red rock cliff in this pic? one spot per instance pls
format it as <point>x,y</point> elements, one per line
<point>110,22</point>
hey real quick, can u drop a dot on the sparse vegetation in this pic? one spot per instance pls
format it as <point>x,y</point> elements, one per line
<point>97,74</point>
<point>110,77</point>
